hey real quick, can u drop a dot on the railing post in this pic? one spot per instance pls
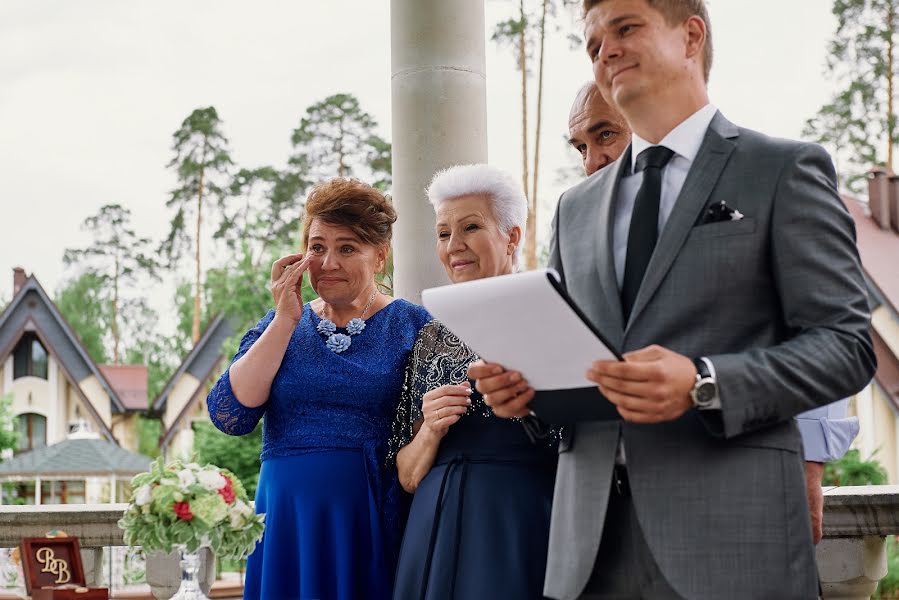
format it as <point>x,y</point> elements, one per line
<point>851,568</point>
<point>92,560</point>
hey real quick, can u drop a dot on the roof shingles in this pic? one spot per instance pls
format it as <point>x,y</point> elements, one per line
<point>77,457</point>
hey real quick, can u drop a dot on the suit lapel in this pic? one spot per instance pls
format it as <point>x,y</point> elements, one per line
<point>701,179</point>
<point>604,243</point>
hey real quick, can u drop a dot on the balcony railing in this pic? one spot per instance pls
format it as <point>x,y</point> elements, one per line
<point>851,558</point>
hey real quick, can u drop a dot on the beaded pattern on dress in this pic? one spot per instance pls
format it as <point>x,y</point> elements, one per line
<point>438,358</point>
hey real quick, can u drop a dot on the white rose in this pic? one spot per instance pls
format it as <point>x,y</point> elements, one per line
<point>143,495</point>
<point>235,518</point>
<point>211,480</point>
<point>238,514</point>
<point>186,478</point>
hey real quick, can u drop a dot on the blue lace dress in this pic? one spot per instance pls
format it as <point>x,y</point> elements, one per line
<point>332,505</point>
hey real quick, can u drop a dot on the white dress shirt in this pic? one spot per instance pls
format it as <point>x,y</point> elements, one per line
<point>684,140</point>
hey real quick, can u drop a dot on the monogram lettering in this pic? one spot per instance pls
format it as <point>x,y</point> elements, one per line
<point>53,565</point>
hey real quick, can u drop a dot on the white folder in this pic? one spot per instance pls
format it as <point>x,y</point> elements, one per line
<point>526,322</point>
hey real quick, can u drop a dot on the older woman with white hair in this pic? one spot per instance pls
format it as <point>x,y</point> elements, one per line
<point>462,462</point>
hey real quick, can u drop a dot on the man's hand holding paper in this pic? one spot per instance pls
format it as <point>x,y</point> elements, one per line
<point>651,385</point>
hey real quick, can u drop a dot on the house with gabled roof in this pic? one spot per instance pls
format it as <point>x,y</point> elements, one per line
<point>55,385</point>
<point>877,233</point>
<point>182,402</point>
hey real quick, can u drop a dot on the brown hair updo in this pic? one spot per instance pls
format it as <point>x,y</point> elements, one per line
<point>347,202</point>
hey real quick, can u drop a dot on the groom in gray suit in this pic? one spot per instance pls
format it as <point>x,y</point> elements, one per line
<point>723,263</point>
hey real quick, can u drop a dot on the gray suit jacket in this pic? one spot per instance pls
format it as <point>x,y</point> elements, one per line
<point>778,302</point>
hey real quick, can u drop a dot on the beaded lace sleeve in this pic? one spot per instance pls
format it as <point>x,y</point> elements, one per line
<point>431,346</point>
<point>225,411</point>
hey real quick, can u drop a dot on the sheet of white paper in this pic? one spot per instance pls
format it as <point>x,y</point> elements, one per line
<point>521,322</point>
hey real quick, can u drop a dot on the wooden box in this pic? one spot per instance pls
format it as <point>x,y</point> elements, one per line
<point>53,570</point>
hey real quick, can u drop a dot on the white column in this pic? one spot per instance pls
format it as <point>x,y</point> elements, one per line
<point>37,491</point>
<point>439,115</point>
<point>112,499</point>
<point>54,427</point>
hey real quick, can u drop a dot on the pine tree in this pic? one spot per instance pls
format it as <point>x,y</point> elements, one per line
<point>118,255</point>
<point>202,161</point>
<point>859,123</point>
<point>336,138</point>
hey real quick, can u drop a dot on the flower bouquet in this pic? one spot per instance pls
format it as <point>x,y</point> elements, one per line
<point>188,507</point>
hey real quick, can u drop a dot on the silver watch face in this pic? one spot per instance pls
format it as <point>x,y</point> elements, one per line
<point>704,393</point>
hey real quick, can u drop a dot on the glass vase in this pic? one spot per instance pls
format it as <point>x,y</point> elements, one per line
<point>190,581</point>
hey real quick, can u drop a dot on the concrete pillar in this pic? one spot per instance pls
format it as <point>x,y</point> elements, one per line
<point>850,568</point>
<point>879,196</point>
<point>439,115</point>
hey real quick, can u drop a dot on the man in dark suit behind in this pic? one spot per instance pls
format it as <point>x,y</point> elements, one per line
<point>723,263</point>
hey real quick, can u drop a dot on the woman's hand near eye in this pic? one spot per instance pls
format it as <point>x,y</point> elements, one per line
<point>286,284</point>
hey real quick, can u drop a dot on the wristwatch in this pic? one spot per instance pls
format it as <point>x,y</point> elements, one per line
<point>705,390</point>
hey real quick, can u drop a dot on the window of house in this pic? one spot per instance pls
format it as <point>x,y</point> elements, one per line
<point>62,492</point>
<point>29,358</point>
<point>23,493</point>
<point>32,431</point>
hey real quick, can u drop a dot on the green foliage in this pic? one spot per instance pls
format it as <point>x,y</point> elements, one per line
<point>852,470</point>
<point>203,516</point>
<point>337,138</point>
<point>148,346</point>
<point>855,123</point>
<point>85,304</point>
<point>184,307</point>
<point>9,437</point>
<point>148,432</point>
<point>238,454</point>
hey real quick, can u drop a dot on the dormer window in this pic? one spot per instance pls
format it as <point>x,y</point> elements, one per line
<point>29,358</point>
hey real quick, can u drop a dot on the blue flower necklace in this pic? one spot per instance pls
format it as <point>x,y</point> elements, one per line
<point>339,342</point>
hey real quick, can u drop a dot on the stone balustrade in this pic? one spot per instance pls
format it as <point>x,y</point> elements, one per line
<point>851,558</point>
<point>95,526</point>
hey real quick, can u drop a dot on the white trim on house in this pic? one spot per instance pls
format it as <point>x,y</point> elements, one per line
<point>53,428</point>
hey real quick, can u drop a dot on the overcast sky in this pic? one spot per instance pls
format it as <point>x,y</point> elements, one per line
<point>91,92</point>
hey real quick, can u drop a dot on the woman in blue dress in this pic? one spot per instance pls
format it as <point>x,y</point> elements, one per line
<point>326,378</point>
<point>479,522</point>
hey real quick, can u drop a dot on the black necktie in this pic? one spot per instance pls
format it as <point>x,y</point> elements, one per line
<point>644,227</point>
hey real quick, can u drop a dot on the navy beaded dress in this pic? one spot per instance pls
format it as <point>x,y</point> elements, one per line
<point>332,504</point>
<point>478,526</point>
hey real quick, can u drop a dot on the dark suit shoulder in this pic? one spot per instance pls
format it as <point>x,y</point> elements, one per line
<point>756,141</point>
<point>587,189</point>
<point>772,157</point>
